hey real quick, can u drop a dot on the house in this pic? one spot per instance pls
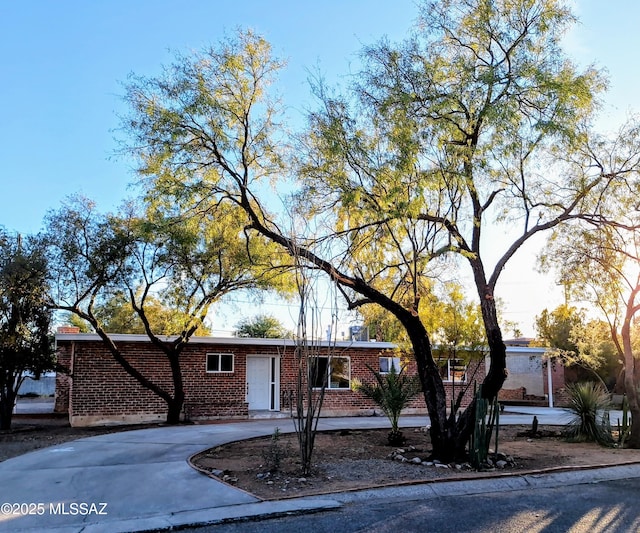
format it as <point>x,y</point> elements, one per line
<point>531,377</point>
<point>225,377</point>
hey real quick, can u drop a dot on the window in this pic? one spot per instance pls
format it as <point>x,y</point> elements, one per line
<point>335,372</point>
<point>219,362</point>
<point>386,363</point>
<point>453,370</point>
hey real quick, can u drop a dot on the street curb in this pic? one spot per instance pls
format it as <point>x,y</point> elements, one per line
<point>525,481</point>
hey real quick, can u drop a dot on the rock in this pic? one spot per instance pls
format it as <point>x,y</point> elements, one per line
<point>416,461</point>
<point>269,482</point>
<point>302,480</point>
<point>501,464</point>
<point>400,458</point>
<point>428,463</point>
<point>440,465</point>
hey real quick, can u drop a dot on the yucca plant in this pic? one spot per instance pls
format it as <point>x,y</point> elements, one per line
<point>392,392</point>
<point>589,404</point>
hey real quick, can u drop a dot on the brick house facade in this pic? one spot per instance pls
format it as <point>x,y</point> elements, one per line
<point>223,378</point>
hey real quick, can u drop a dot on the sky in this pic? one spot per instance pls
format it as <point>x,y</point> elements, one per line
<point>64,63</point>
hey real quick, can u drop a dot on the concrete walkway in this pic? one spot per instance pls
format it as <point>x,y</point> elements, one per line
<point>34,406</point>
<point>140,480</point>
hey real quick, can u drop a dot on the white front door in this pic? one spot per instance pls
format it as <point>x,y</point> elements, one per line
<point>262,383</point>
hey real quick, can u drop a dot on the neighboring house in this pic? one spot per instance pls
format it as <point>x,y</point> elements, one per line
<point>530,375</point>
<point>225,378</point>
<point>45,385</point>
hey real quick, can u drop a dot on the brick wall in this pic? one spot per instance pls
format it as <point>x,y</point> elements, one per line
<point>352,403</point>
<point>102,392</point>
<point>63,379</point>
<point>512,394</point>
<point>99,391</point>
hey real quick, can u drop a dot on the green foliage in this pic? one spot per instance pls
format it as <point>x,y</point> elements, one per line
<point>556,328</point>
<point>116,315</point>
<point>452,320</point>
<point>392,392</point>
<point>203,130</point>
<point>25,343</point>
<point>275,452</point>
<point>487,418</point>
<point>624,426</point>
<point>151,274</point>
<point>597,350</point>
<point>589,405</point>
<point>261,326</point>
<point>145,267</point>
<point>74,320</point>
<point>576,341</point>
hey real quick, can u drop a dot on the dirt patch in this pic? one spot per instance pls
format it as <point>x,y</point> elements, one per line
<point>348,460</point>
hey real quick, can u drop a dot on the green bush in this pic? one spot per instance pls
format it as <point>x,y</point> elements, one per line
<point>275,452</point>
<point>392,392</point>
<point>589,405</point>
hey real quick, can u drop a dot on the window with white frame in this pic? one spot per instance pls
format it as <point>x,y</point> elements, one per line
<point>387,363</point>
<point>453,369</point>
<point>220,362</point>
<point>334,372</point>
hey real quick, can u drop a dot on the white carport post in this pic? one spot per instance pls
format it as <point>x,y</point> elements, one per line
<point>549,382</point>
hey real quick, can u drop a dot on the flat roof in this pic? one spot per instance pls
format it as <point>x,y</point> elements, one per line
<point>120,337</point>
<point>258,341</point>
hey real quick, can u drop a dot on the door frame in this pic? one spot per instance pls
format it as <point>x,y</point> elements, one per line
<point>273,378</point>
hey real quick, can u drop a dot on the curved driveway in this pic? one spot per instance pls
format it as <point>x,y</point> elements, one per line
<point>140,480</point>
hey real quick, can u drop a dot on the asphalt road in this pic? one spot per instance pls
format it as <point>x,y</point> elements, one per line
<point>604,507</point>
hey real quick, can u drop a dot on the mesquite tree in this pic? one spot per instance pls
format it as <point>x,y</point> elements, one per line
<point>461,128</point>
<point>25,343</point>
<point>186,264</point>
<point>599,260</point>
<point>452,147</point>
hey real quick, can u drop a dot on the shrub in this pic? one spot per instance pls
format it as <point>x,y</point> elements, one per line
<point>275,452</point>
<point>589,404</point>
<point>392,392</point>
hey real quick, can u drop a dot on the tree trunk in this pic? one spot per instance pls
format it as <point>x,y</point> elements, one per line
<point>447,446</point>
<point>6,407</point>
<point>630,387</point>
<point>633,441</point>
<point>497,353</point>
<point>174,409</point>
<point>6,414</point>
<point>176,403</point>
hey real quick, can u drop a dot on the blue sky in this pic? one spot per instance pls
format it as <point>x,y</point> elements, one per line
<point>63,63</point>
